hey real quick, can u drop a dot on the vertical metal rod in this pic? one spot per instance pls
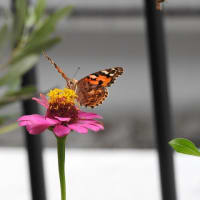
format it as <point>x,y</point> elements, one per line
<point>33,143</point>
<point>161,100</point>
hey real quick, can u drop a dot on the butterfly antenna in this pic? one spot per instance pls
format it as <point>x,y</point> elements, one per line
<point>77,70</point>
<point>57,68</point>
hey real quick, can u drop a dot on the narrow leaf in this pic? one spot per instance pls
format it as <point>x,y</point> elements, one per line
<point>3,34</point>
<point>6,118</point>
<point>18,69</point>
<point>12,99</point>
<point>184,146</point>
<point>48,26</point>
<point>23,94</point>
<point>13,96</point>
<point>19,20</point>
<point>39,9</point>
<point>8,128</point>
<point>14,85</point>
<point>36,48</point>
<point>25,90</point>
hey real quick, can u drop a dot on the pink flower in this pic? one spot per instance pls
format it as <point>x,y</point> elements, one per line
<point>61,118</point>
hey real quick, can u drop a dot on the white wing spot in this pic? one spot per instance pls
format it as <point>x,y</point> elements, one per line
<point>93,76</point>
<point>105,72</point>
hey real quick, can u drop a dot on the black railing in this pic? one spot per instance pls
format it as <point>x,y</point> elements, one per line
<point>34,144</point>
<point>163,124</point>
<point>161,100</point>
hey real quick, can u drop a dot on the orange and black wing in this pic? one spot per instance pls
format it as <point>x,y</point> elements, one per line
<point>92,91</point>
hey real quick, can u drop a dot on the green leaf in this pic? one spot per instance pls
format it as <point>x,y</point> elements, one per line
<point>16,70</point>
<point>5,118</point>
<point>184,146</point>
<point>19,20</point>
<point>48,26</point>
<point>12,97</point>
<point>39,9</point>
<point>14,85</point>
<point>3,33</point>
<point>36,48</point>
<point>8,128</point>
<point>39,39</point>
<point>25,90</point>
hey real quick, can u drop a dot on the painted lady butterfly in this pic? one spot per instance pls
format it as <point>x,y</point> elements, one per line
<point>92,89</point>
<point>158,4</point>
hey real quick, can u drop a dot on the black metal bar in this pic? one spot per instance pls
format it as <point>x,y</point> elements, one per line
<point>162,112</point>
<point>33,143</point>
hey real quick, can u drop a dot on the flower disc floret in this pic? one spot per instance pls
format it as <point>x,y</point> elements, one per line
<point>61,96</point>
<point>68,110</point>
<point>61,103</point>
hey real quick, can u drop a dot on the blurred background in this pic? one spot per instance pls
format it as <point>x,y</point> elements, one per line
<point>102,34</point>
<point>96,37</point>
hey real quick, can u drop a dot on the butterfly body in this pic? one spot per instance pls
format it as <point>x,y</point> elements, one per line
<point>92,89</point>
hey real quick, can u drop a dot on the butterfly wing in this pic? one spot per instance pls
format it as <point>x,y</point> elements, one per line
<point>92,89</point>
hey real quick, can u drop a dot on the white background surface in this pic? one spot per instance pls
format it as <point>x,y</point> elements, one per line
<point>99,174</point>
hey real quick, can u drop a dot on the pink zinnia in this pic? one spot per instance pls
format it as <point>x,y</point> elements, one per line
<point>62,116</point>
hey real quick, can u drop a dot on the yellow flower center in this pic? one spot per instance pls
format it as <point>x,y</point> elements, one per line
<point>64,96</point>
<point>62,103</point>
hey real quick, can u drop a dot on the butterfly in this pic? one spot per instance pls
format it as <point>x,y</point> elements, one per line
<point>92,89</point>
<point>158,4</point>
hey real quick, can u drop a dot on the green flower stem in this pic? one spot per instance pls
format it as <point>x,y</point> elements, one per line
<point>61,165</point>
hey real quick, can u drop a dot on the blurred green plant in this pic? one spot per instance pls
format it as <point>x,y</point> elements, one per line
<point>27,32</point>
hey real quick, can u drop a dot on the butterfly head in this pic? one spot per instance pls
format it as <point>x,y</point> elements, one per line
<point>72,84</point>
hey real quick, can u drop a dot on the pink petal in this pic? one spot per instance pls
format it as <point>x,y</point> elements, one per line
<point>43,97</point>
<point>82,126</point>
<point>35,118</point>
<point>94,127</point>
<point>88,115</point>
<point>42,101</point>
<point>78,128</point>
<point>87,121</point>
<point>34,130</point>
<point>61,130</point>
<point>35,124</point>
<point>63,119</point>
<point>91,121</point>
<point>23,123</point>
<point>91,124</point>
